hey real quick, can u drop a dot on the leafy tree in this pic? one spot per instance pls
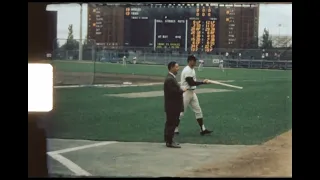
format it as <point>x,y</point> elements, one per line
<point>71,43</point>
<point>266,40</point>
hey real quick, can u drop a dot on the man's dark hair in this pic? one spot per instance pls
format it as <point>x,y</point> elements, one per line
<point>171,65</point>
<point>191,57</point>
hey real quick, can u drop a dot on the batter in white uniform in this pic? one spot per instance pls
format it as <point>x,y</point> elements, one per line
<point>188,81</point>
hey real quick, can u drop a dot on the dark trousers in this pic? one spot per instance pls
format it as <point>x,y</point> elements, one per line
<point>171,123</point>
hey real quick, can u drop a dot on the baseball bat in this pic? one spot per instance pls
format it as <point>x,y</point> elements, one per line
<point>224,84</point>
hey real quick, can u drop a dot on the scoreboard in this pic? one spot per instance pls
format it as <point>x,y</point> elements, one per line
<point>170,28</point>
<point>157,27</point>
<point>170,33</point>
<point>138,27</point>
<point>203,28</point>
<point>192,27</point>
<point>175,27</point>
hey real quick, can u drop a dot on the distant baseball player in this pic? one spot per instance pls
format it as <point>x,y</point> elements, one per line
<point>124,63</point>
<point>201,62</point>
<point>189,82</point>
<point>134,60</point>
<point>221,65</point>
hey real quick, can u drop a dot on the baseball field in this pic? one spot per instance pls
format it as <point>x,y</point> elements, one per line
<point>117,130</point>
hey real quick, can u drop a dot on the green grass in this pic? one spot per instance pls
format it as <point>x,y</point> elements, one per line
<point>153,70</point>
<point>253,115</point>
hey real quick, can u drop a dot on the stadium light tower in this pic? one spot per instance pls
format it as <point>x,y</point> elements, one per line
<point>80,43</point>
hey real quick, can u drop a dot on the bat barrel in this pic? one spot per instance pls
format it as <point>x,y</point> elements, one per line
<point>224,84</point>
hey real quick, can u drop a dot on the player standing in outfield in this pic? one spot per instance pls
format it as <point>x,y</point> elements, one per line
<point>221,65</point>
<point>124,63</point>
<point>134,60</point>
<point>188,81</point>
<point>201,62</point>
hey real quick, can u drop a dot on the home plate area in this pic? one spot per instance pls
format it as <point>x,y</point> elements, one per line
<point>136,159</point>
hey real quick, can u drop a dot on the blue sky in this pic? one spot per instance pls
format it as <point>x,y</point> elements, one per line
<point>271,15</point>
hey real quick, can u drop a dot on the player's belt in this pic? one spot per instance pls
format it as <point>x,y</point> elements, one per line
<point>191,89</point>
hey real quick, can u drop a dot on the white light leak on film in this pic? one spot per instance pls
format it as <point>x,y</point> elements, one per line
<point>40,87</point>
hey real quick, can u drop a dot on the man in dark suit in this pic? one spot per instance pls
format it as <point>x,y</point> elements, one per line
<point>173,104</point>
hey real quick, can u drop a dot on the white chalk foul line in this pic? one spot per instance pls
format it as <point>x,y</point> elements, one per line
<point>73,167</point>
<point>77,170</point>
<point>108,85</point>
<point>82,147</point>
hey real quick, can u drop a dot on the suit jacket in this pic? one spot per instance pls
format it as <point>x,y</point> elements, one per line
<point>173,98</point>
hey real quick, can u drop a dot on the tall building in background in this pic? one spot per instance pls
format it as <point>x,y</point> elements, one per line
<point>106,25</point>
<point>239,26</point>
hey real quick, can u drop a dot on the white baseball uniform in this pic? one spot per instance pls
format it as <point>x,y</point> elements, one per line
<point>221,64</point>
<point>227,55</point>
<point>201,62</point>
<point>124,63</point>
<point>190,98</point>
<point>134,60</point>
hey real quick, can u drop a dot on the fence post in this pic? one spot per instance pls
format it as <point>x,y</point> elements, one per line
<point>94,72</point>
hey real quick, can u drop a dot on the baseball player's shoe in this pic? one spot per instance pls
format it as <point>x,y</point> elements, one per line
<point>173,145</point>
<point>205,132</point>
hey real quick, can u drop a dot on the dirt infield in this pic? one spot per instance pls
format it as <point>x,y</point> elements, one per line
<point>271,159</point>
<point>71,78</point>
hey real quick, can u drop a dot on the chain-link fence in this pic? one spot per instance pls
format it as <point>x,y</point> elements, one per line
<point>101,65</point>
<point>149,54</point>
<point>64,56</point>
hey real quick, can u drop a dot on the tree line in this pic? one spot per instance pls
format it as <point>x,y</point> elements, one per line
<point>72,44</point>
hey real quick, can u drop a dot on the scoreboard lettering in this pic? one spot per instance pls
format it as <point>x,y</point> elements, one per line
<point>210,36</point>
<point>195,35</point>
<point>203,25</point>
